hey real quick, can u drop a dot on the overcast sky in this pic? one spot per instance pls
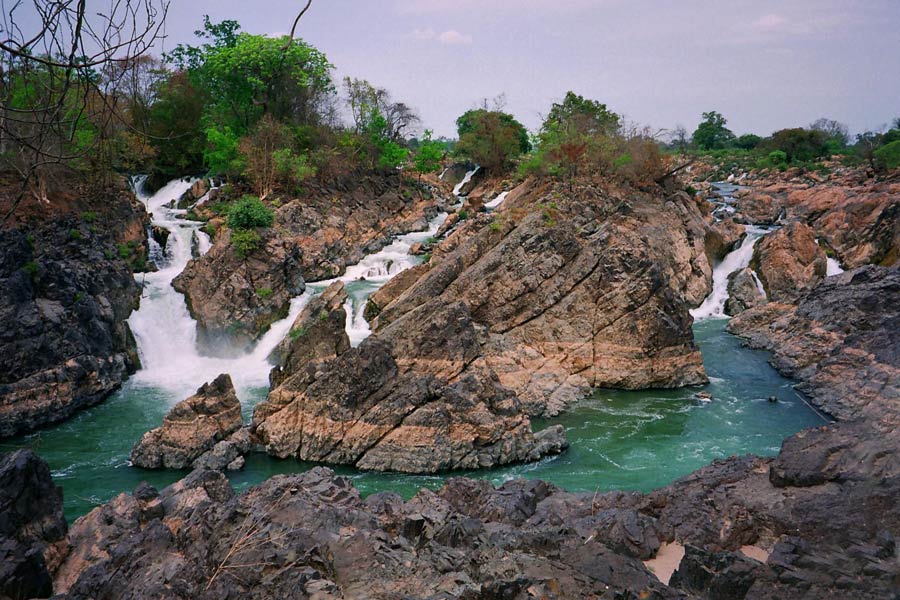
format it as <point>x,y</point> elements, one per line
<point>764,64</point>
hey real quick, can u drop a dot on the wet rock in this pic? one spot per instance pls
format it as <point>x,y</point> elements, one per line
<point>227,454</point>
<point>192,427</point>
<point>759,207</point>
<point>317,334</point>
<point>234,297</point>
<point>838,341</point>
<point>31,521</point>
<point>743,292</point>
<point>789,262</point>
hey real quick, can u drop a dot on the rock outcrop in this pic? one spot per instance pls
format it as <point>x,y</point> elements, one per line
<point>839,341</point>
<point>789,262</point>
<point>31,525</point>
<point>743,292</point>
<point>317,334</point>
<point>66,292</point>
<point>191,428</point>
<point>236,298</point>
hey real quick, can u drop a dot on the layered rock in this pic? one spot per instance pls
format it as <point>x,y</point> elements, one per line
<point>191,428</point>
<point>839,341</point>
<point>66,292</point>
<point>31,524</point>
<point>235,299</point>
<point>789,262</point>
<point>317,334</point>
<point>743,292</point>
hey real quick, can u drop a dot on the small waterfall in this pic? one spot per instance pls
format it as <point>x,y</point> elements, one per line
<point>459,186</point>
<point>737,259</point>
<point>832,265</point>
<point>496,201</point>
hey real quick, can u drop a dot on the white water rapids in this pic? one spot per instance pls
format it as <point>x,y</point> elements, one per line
<point>166,334</point>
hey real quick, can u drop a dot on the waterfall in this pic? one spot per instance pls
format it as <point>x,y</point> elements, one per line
<point>496,201</point>
<point>166,334</point>
<point>832,265</point>
<point>737,259</point>
<point>459,186</point>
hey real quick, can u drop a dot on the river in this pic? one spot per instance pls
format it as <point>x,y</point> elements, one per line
<point>619,440</point>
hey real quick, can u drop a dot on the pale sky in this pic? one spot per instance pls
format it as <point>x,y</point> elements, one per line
<point>764,64</point>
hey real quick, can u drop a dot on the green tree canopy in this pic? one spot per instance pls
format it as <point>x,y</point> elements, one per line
<point>429,154</point>
<point>493,139</point>
<point>712,134</point>
<point>800,145</point>
<point>580,115</point>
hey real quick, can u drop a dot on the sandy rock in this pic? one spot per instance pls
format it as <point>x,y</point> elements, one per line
<point>789,261</point>
<point>192,427</point>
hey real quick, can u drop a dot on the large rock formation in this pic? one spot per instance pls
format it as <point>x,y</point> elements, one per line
<point>66,291</point>
<point>31,522</point>
<point>789,262</point>
<point>743,292</point>
<point>192,427</point>
<point>316,335</point>
<point>235,299</point>
<point>840,341</point>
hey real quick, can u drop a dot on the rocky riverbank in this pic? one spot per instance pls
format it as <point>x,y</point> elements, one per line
<point>66,291</point>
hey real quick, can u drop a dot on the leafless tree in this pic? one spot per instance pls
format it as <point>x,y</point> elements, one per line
<point>61,67</point>
<point>833,130</point>
<point>363,98</point>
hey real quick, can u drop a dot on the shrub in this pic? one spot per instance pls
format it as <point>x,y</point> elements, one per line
<point>250,212</point>
<point>493,139</point>
<point>888,156</point>
<point>264,292</point>
<point>297,332</point>
<point>463,215</point>
<point>31,268</point>
<point>245,241</point>
<point>777,158</point>
<point>75,234</point>
<point>89,216</point>
<point>798,144</point>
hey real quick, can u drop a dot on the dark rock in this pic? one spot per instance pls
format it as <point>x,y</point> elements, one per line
<point>743,292</point>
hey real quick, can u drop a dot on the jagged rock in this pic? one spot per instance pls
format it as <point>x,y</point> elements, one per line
<point>317,334</point>
<point>236,298</point>
<point>66,293</point>
<point>160,235</point>
<point>31,521</point>
<point>227,454</point>
<point>743,292</point>
<point>839,341</point>
<point>759,208</point>
<point>391,290</point>
<point>192,427</point>
<point>789,262</point>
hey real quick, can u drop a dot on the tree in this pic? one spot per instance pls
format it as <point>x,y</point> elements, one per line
<point>712,134</point>
<point>680,138</point>
<point>429,154</point>
<point>362,97</point>
<point>866,145</point>
<point>748,141</point>
<point>582,116</point>
<point>54,110</point>
<point>492,139</point>
<point>800,145</point>
<point>836,134</point>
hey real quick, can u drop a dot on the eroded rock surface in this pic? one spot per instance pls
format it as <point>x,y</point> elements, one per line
<point>789,262</point>
<point>192,427</point>
<point>66,293</point>
<point>743,292</point>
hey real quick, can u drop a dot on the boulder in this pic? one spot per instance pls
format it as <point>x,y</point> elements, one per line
<point>191,428</point>
<point>31,522</point>
<point>759,208</point>
<point>743,292</point>
<point>789,262</point>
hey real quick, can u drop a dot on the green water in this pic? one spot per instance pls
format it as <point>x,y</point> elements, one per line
<point>619,440</point>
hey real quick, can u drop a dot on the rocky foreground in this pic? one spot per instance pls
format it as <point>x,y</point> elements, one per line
<point>66,291</point>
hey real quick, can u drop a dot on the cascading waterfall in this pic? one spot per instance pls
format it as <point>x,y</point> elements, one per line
<point>737,259</point>
<point>496,201</point>
<point>459,186</point>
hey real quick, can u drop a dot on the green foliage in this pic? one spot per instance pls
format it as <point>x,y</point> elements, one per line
<point>89,216</point>
<point>493,139</point>
<point>579,115</point>
<point>711,133</point>
<point>777,159</point>
<point>429,154</point>
<point>748,141</point>
<point>124,251</point>
<point>250,212</point>
<point>297,332</point>
<point>890,136</point>
<point>31,268</point>
<point>888,156</point>
<point>463,215</point>
<point>174,124</point>
<point>292,167</point>
<point>495,225</point>
<point>75,234</point>
<point>798,144</point>
<point>245,241</point>
<point>79,296</point>
<point>221,154</point>
<point>264,292</point>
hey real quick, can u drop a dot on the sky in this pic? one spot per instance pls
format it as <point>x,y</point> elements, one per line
<point>764,64</point>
